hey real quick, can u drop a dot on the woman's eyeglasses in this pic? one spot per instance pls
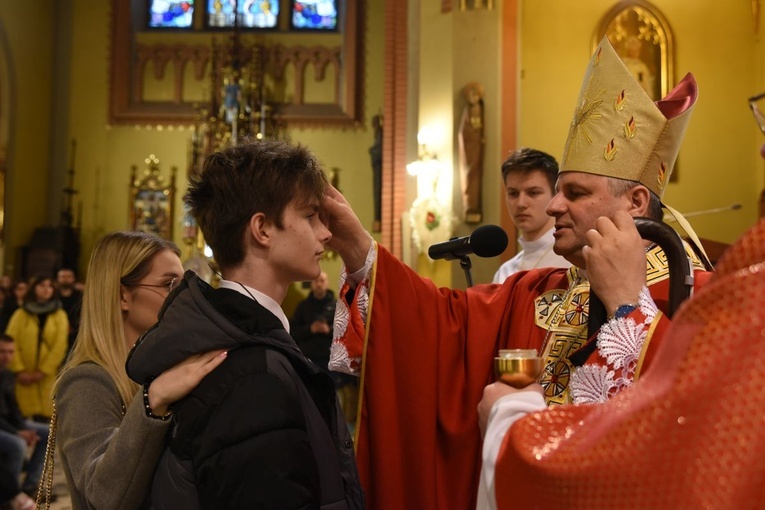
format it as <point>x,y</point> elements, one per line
<point>169,286</point>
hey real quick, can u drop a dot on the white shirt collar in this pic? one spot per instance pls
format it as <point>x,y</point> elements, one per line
<point>265,301</point>
<point>542,242</point>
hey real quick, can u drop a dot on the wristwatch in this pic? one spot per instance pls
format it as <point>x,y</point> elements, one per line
<point>624,310</point>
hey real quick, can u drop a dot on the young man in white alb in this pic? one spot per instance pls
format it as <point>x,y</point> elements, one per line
<point>529,177</point>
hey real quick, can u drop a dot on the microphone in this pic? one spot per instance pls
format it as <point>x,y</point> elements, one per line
<point>485,241</point>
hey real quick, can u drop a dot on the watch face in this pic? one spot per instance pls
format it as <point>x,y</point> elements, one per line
<point>624,310</point>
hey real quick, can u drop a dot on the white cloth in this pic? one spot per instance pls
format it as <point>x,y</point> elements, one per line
<point>505,411</point>
<point>533,254</point>
<point>263,300</point>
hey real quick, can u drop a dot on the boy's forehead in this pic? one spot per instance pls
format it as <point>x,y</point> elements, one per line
<point>536,176</point>
<point>302,202</point>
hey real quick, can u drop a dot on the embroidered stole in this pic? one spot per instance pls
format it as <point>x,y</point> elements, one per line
<point>564,313</point>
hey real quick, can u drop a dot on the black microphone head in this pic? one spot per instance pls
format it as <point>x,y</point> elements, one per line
<point>488,241</point>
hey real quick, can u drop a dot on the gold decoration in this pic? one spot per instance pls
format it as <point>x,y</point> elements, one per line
<point>662,178</point>
<point>610,151</point>
<point>619,103</point>
<point>596,130</point>
<point>630,128</point>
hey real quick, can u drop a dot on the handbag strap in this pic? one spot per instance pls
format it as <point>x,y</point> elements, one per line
<point>43,499</point>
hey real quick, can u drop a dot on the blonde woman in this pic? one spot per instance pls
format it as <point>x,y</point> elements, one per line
<point>110,430</point>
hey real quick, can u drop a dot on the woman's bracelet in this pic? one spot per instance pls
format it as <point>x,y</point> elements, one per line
<point>147,406</point>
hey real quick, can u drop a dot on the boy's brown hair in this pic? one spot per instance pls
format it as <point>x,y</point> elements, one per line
<point>238,182</point>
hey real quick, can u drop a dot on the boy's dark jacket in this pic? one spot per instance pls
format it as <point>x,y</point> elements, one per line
<point>263,430</point>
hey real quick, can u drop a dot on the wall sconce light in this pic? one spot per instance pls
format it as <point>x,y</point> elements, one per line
<point>427,168</point>
<point>430,216</point>
<point>427,164</point>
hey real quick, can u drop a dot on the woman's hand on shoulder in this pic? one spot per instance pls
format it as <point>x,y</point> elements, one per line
<point>175,383</point>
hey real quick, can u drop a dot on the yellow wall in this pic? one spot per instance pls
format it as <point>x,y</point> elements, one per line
<point>105,153</point>
<point>29,55</point>
<point>719,163</point>
<point>454,49</point>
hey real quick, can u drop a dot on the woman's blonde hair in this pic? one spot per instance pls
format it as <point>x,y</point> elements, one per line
<point>118,258</point>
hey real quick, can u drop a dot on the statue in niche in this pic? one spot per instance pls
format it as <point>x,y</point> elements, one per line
<point>471,146</point>
<point>633,59</point>
<point>375,153</point>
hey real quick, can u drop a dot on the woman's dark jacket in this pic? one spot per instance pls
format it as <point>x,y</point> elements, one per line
<point>263,430</point>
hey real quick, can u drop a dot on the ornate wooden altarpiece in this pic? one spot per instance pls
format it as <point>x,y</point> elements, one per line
<point>152,198</point>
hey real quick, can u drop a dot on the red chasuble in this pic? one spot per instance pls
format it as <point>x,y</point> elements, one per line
<point>690,435</point>
<point>425,358</point>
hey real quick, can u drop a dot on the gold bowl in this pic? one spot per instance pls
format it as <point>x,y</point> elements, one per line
<point>518,372</point>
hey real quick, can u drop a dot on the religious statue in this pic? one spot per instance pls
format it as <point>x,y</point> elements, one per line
<point>632,58</point>
<point>471,145</point>
<point>375,153</point>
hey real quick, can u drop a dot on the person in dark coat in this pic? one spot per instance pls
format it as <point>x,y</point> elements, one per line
<point>71,301</point>
<point>312,322</point>
<point>264,430</point>
<point>312,328</point>
<point>17,435</point>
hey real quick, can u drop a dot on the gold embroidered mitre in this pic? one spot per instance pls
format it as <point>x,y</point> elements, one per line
<point>618,131</point>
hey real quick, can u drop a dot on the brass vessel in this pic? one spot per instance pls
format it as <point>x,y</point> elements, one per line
<point>518,367</point>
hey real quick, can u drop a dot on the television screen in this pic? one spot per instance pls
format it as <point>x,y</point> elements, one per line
<point>167,14</point>
<point>314,14</point>
<point>245,13</point>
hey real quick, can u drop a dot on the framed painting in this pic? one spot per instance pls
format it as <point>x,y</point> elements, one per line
<point>642,37</point>
<point>151,200</point>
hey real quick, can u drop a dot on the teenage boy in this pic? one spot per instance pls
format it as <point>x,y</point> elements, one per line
<point>529,177</point>
<point>265,430</point>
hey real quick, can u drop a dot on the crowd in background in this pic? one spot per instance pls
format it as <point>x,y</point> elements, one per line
<point>39,319</point>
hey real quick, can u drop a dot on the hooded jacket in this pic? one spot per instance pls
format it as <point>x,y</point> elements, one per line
<point>263,430</point>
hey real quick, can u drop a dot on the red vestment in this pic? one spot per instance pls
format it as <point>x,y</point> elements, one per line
<point>427,354</point>
<point>689,435</point>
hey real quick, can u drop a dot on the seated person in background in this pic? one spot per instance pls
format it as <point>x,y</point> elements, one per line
<point>264,430</point>
<point>11,496</point>
<point>529,176</point>
<point>16,434</point>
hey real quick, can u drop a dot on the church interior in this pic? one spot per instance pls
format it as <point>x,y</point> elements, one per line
<point>108,106</point>
<point>103,115</point>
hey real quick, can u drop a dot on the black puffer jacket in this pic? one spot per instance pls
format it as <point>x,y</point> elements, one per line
<point>263,430</point>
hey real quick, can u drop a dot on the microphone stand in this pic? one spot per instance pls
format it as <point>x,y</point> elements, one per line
<point>466,265</point>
